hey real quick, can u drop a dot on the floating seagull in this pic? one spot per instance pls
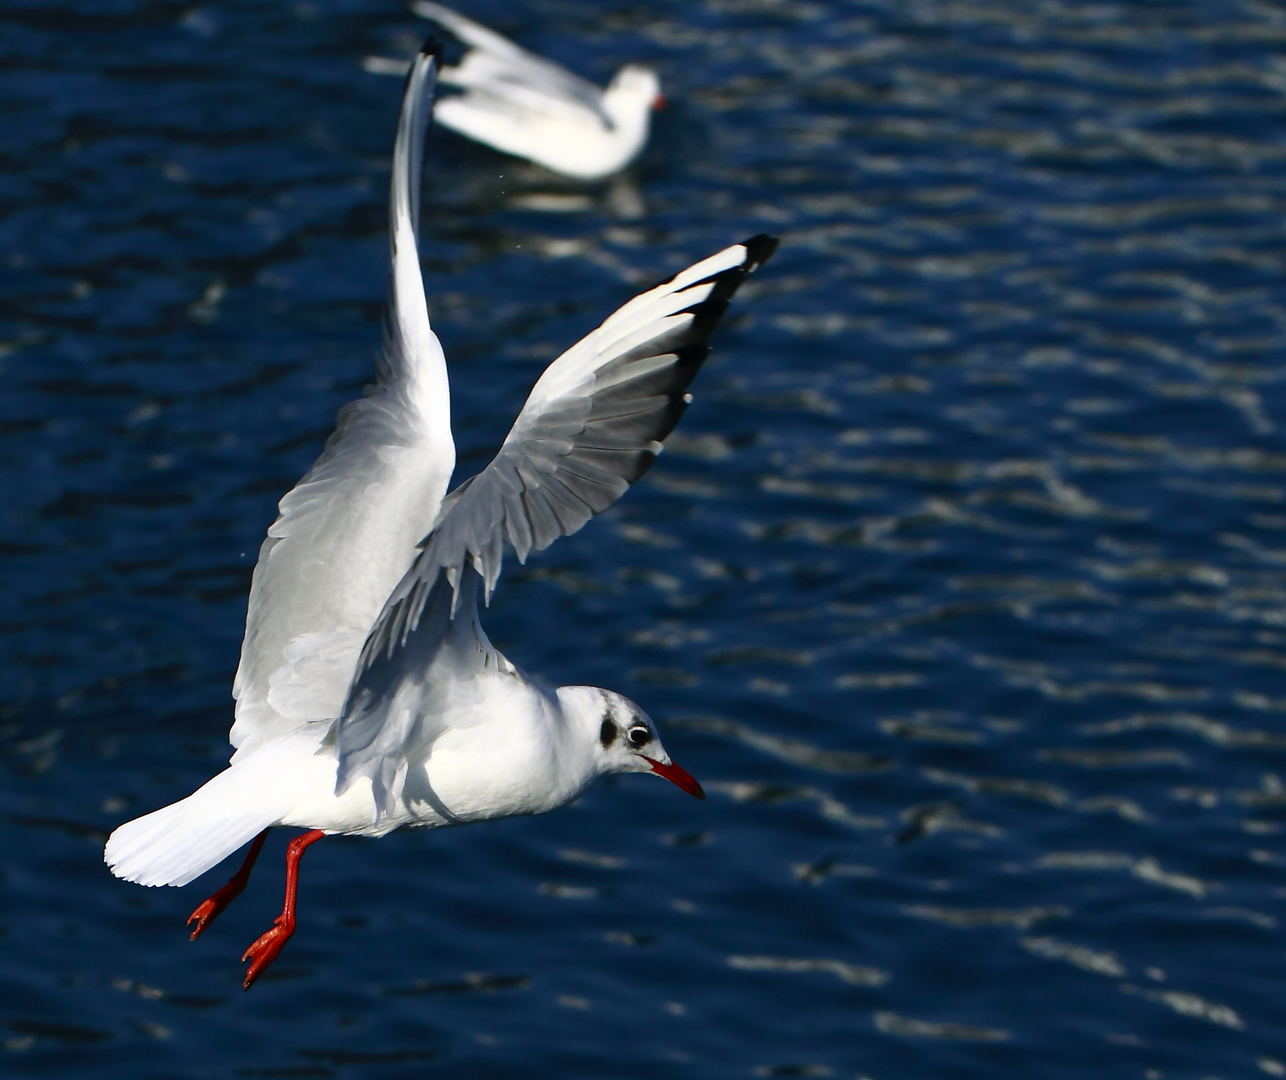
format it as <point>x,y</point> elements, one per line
<point>530,107</point>
<point>368,695</point>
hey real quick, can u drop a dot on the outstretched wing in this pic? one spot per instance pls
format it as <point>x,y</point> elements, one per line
<point>592,425</point>
<point>500,74</point>
<point>348,530</point>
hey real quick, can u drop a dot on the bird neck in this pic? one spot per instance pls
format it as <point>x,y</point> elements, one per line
<point>583,708</point>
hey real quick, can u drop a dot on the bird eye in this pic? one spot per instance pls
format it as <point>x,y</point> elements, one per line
<point>639,736</point>
<point>607,733</point>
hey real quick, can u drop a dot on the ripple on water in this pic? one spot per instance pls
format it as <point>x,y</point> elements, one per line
<point>960,587</point>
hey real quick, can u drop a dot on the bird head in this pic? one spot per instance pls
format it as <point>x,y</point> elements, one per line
<point>625,738</point>
<point>635,89</point>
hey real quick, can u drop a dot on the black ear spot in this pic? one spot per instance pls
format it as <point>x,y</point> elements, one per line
<point>607,733</point>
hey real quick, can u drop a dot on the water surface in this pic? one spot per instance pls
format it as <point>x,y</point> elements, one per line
<point>961,586</point>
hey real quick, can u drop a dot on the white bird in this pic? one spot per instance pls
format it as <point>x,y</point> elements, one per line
<point>368,696</point>
<point>525,105</point>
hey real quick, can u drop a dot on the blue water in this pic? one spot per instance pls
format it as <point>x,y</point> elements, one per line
<point>962,586</point>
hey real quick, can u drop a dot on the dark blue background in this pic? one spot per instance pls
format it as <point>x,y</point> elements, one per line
<point>962,585</point>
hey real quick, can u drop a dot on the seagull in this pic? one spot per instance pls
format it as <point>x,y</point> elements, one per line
<point>368,696</point>
<point>525,105</point>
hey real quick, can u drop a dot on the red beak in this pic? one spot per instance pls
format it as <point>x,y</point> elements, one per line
<point>660,102</point>
<point>677,776</point>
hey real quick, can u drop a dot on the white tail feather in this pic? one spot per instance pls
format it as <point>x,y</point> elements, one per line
<point>179,842</point>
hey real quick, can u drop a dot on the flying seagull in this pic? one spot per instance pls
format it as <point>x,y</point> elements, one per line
<point>522,104</point>
<point>368,695</point>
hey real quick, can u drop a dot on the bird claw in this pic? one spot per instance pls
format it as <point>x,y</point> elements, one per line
<point>264,951</point>
<point>204,915</point>
<point>211,908</point>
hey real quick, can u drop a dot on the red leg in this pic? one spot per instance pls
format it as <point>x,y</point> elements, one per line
<point>212,908</point>
<point>264,951</point>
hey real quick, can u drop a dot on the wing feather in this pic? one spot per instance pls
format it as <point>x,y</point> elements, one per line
<point>577,445</point>
<point>348,530</point>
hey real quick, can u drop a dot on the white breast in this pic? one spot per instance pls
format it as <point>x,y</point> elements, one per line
<point>520,759</point>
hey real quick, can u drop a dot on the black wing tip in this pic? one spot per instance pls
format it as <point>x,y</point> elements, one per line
<point>707,313</point>
<point>759,249</point>
<point>432,48</point>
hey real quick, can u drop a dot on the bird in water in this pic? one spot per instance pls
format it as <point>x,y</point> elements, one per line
<point>522,104</point>
<point>368,696</point>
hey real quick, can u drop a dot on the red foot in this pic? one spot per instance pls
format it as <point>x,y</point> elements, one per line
<point>211,909</point>
<point>264,951</point>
